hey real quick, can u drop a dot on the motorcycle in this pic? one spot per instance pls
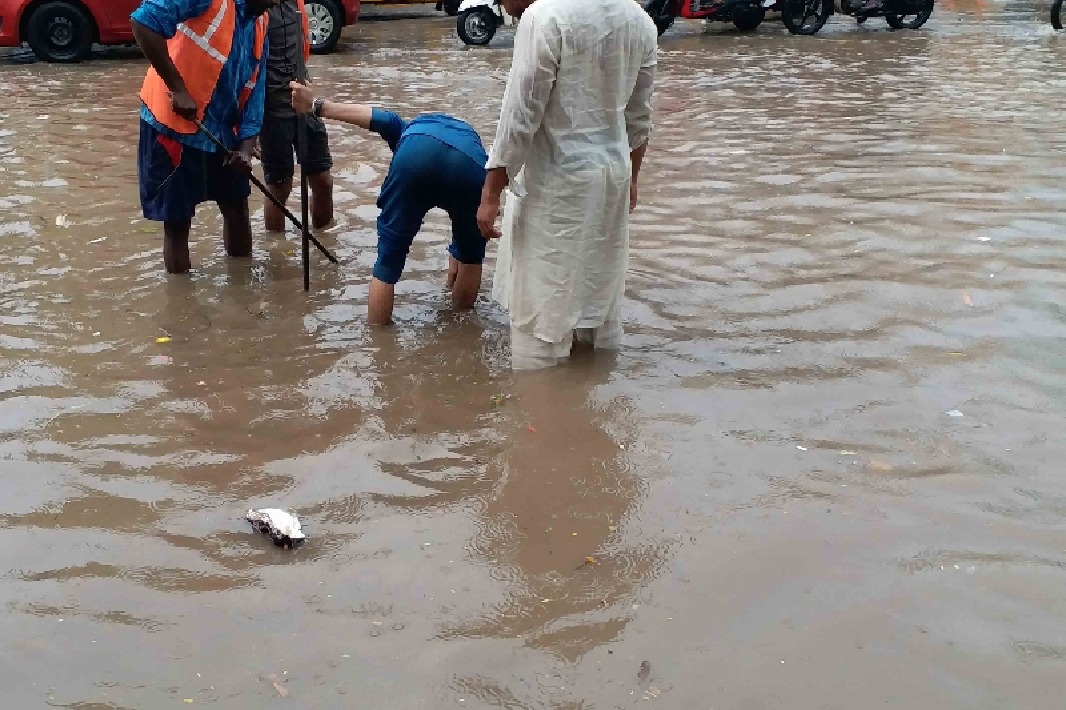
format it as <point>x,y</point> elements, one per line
<point>745,15</point>
<point>479,19</point>
<point>806,17</point>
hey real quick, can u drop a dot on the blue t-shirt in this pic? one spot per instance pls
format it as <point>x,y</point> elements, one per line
<point>447,129</point>
<point>223,116</point>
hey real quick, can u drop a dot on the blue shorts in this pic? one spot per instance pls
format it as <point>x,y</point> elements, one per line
<point>175,178</point>
<point>425,174</point>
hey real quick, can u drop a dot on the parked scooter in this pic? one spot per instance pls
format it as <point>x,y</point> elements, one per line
<point>746,15</point>
<point>806,17</point>
<point>479,20</point>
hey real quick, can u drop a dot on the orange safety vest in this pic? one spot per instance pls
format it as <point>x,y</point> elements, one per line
<point>199,50</point>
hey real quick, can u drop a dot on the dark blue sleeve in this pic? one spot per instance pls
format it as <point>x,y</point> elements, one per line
<point>388,125</point>
<point>164,16</point>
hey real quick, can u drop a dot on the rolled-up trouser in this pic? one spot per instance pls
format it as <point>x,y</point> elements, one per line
<point>528,352</point>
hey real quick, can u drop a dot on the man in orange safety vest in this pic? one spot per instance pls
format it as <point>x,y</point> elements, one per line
<point>208,63</point>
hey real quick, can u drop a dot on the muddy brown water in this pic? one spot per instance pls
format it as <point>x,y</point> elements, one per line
<point>841,240</point>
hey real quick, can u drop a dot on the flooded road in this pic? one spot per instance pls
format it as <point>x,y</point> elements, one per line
<point>825,471</point>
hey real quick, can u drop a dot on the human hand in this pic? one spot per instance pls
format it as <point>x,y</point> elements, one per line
<point>183,105</point>
<point>632,196</point>
<point>486,217</point>
<point>257,149</point>
<point>240,160</point>
<point>303,98</point>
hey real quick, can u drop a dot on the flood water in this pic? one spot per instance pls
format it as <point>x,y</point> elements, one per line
<point>767,499</point>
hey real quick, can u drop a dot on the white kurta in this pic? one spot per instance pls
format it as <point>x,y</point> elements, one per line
<point>578,100</point>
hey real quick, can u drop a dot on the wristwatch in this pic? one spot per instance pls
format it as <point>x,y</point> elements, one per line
<point>316,107</point>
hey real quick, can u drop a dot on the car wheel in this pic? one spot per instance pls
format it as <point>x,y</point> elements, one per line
<point>60,32</point>
<point>325,19</point>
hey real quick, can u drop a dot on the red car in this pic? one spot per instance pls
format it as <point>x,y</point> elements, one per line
<point>65,30</point>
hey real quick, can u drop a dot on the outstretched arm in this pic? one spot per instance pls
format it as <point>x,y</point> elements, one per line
<point>303,98</point>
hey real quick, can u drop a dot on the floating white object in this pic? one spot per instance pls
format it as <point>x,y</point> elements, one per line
<point>282,527</point>
<point>954,413</point>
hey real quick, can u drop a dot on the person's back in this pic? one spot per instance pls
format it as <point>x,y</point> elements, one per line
<point>601,47</point>
<point>573,131</point>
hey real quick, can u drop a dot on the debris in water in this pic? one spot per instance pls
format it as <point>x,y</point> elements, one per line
<point>955,414</point>
<point>966,299</point>
<point>590,560</point>
<point>880,466</point>
<point>98,240</point>
<point>847,453</point>
<point>645,671</point>
<point>802,448</point>
<point>532,429</point>
<point>282,527</point>
<point>654,692</point>
<point>276,682</point>
<point>62,221</point>
<point>163,340</point>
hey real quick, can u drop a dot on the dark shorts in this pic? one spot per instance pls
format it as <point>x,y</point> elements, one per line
<point>175,178</point>
<point>277,140</point>
<point>426,174</point>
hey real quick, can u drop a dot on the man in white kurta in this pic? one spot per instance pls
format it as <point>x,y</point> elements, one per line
<point>575,124</point>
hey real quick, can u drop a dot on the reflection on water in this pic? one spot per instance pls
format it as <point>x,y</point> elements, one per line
<point>841,240</point>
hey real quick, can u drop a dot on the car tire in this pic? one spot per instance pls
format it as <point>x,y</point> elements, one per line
<point>325,19</point>
<point>60,32</point>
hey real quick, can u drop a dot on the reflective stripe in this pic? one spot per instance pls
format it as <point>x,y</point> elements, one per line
<point>215,23</point>
<point>202,43</point>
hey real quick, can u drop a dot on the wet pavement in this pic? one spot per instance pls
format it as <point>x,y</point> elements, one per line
<point>825,471</point>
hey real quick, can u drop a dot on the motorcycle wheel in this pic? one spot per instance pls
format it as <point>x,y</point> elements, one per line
<point>476,26</point>
<point>749,20</point>
<point>912,21</point>
<point>1056,14</point>
<point>805,17</point>
<point>861,20</point>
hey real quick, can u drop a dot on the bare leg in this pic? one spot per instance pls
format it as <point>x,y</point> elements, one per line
<point>176,247</point>
<point>236,228</point>
<point>274,218</point>
<point>321,199</point>
<point>379,308</point>
<point>465,285</point>
<point>453,271</point>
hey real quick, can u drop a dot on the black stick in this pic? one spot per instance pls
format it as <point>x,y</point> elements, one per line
<point>270,196</point>
<point>301,148</point>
